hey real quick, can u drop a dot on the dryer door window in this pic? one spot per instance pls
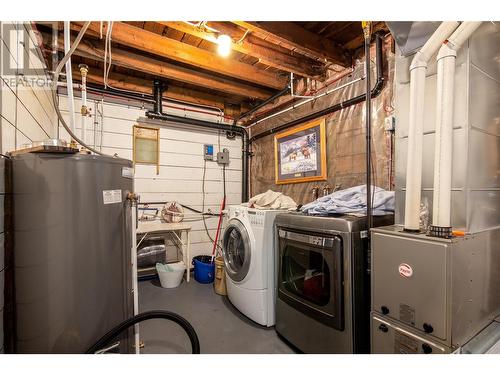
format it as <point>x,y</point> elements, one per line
<point>236,248</point>
<point>310,276</point>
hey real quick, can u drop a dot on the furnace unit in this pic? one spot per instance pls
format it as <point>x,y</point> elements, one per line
<point>432,295</point>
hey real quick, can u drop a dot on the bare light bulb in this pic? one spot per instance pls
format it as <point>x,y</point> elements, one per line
<point>224,45</point>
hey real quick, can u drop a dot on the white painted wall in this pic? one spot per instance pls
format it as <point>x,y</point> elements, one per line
<point>181,163</point>
<point>26,113</point>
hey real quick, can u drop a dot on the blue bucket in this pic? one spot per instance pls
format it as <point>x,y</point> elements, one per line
<point>204,269</point>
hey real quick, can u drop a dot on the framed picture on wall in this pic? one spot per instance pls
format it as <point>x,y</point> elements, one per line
<point>300,153</point>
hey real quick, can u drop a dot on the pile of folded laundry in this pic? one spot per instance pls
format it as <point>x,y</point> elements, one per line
<point>352,201</point>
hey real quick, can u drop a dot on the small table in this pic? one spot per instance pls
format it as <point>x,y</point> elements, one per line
<point>176,230</point>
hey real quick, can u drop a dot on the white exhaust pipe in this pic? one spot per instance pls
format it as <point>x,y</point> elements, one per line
<point>441,207</point>
<point>418,69</point>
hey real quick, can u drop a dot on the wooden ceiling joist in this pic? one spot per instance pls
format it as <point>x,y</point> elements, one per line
<point>248,45</point>
<point>95,50</point>
<point>295,37</point>
<point>139,85</point>
<point>336,28</point>
<point>358,41</point>
<point>184,55</point>
<point>151,42</point>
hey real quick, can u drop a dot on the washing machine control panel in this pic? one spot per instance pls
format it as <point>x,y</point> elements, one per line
<point>256,218</point>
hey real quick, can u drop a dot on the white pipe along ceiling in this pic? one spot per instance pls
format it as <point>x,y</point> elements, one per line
<point>446,59</point>
<point>418,69</point>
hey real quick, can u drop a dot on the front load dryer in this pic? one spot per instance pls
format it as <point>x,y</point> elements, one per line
<point>248,247</point>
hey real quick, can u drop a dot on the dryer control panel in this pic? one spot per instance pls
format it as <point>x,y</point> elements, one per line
<point>256,217</point>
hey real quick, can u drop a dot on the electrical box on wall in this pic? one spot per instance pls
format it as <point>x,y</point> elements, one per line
<point>390,123</point>
<point>223,157</point>
<point>208,152</point>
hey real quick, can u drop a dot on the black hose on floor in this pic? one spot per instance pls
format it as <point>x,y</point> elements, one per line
<point>154,314</point>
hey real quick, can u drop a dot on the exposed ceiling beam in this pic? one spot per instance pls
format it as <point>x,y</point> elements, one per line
<point>295,37</point>
<point>301,66</point>
<point>94,50</point>
<point>336,29</point>
<point>237,32</point>
<point>143,86</point>
<point>358,41</point>
<point>150,42</point>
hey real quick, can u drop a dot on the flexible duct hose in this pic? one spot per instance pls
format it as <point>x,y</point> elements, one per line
<point>154,314</point>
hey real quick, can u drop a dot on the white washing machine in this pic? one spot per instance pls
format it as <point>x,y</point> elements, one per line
<point>248,246</point>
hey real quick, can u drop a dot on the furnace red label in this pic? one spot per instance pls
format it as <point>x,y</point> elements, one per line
<point>405,270</point>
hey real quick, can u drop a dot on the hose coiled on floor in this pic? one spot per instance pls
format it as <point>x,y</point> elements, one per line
<point>154,314</point>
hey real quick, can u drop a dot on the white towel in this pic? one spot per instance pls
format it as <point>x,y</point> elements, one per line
<point>272,200</point>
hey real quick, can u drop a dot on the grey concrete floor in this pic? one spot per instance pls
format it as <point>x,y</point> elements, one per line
<point>221,328</point>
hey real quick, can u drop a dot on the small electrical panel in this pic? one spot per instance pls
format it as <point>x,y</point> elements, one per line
<point>390,123</point>
<point>223,157</point>
<point>208,152</point>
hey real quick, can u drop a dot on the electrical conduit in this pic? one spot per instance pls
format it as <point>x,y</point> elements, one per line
<point>368,124</point>
<point>418,69</point>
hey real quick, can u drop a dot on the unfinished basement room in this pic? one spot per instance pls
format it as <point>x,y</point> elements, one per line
<point>308,181</point>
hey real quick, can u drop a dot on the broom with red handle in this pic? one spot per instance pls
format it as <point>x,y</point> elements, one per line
<point>223,205</point>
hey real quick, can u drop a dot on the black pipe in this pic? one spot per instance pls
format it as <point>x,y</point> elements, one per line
<point>264,103</point>
<point>377,88</point>
<point>146,98</point>
<point>158,96</point>
<point>368,118</point>
<point>125,95</point>
<point>154,314</point>
<point>229,129</point>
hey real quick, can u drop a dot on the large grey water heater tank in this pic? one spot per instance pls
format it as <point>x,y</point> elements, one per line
<point>72,242</point>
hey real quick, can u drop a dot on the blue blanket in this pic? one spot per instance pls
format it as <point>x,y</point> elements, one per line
<point>352,201</point>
